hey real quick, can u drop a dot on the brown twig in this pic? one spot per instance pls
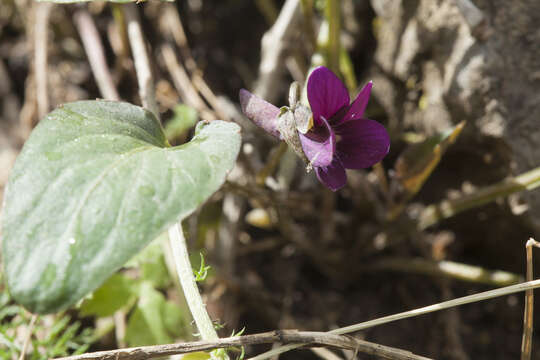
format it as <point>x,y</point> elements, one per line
<point>96,56</point>
<point>43,10</point>
<point>526,342</point>
<point>279,336</point>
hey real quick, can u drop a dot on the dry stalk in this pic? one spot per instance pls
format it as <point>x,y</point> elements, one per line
<point>526,342</point>
<point>147,91</point>
<point>96,56</point>
<point>43,11</point>
<point>279,336</point>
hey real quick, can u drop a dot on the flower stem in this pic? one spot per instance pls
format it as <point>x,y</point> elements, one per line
<point>333,16</point>
<point>191,291</point>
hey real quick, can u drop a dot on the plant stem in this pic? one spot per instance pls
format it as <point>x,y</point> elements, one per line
<point>176,236</point>
<point>448,208</point>
<point>307,10</point>
<point>191,291</point>
<point>333,16</point>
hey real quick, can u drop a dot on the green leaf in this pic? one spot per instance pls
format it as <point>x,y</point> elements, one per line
<point>94,184</point>
<point>154,321</point>
<point>184,119</point>
<point>151,263</point>
<point>115,293</point>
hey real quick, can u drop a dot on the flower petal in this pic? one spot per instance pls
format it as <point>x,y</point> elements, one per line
<point>326,94</point>
<point>261,112</point>
<point>363,143</point>
<point>358,106</point>
<point>319,144</point>
<point>333,175</point>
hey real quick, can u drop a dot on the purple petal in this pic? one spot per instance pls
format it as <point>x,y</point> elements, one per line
<point>261,112</point>
<point>363,143</point>
<point>326,94</point>
<point>358,106</point>
<point>333,176</point>
<point>319,144</point>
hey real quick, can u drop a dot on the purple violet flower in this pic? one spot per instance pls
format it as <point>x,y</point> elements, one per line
<point>340,137</point>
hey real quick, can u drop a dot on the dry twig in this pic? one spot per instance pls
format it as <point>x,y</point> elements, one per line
<point>526,342</point>
<point>279,336</point>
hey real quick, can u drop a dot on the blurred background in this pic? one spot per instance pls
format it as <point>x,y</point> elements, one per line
<point>446,214</point>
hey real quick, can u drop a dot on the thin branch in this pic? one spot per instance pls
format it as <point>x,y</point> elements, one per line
<point>278,336</point>
<point>140,56</point>
<point>412,313</point>
<point>96,56</point>
<point>43,10</point>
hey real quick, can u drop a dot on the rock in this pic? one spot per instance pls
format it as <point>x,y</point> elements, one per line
<point>481,64</point>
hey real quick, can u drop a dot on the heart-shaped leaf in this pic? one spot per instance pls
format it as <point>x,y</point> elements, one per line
<point>94,184</point>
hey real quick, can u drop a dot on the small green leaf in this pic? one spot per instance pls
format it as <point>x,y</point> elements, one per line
<point>184,119</point>
<point>94,184</point>
<point>115,293</point>
<point>202,273</point>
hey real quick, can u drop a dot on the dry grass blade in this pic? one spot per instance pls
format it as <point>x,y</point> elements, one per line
<point>30,330</point>
<point>412,313</point>
<point>43,11</point>
<point>140,56</point>
<point>96,55</point>
<point>526,343</point>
